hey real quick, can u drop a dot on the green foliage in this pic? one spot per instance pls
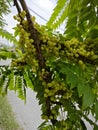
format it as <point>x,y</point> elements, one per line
<point>96,109</point>
<point>4,54</point>
<point>14,79</point>
<point>8,36</point>
<point>76,78</point>
<point>45,126</point>
<point>77,15</point>
<point>7,117</point>
<point>4,10</point>
<point>57,10</point>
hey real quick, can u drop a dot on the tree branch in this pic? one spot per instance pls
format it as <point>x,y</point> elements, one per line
<point>17,6</point>
<point>34,35</point>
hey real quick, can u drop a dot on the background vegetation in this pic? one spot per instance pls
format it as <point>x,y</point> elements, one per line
<point>7,117</point>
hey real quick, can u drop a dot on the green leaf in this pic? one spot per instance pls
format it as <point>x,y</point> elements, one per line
<point>88,97</point>
<point>71,73</point>
<point>2,82</point>
<point>85,13</point>
<point>81,88</point>
<point>43,124</point>
<point>96,109</point>
<point>57,10</point>
<point>96,2</point>
<point>27,80</point>
<point>46,126</point>
<point>95,127</point>
<point>61,19</point>
<point>38,87</point>
<point>7,54</point>
<point>11,84</point>
<point>8,36</point>
<point>4,10</point>
<point>93,33</point>
<point>76,78</point>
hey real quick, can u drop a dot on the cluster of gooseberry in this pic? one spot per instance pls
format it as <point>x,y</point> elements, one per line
<point>57,92</point>
<point>25,44</point>
<point>52,46</point>
<point>71,50</point>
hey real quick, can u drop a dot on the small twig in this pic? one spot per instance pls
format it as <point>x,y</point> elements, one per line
<point>17,6</point>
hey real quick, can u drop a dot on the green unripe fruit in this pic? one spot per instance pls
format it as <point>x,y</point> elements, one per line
<point>15,17</point>
<point>49,84</point>
<point>53,112</point>
<point>47,90</point>
<point>45,95</point>
<point>50,117</point>
<point>23,14</point>
<point>81,64</point>
<point>94,57</point>
<point>77,55</point>
<point>33,18</point>
<point>45,117</point>
<point>52,99</point>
